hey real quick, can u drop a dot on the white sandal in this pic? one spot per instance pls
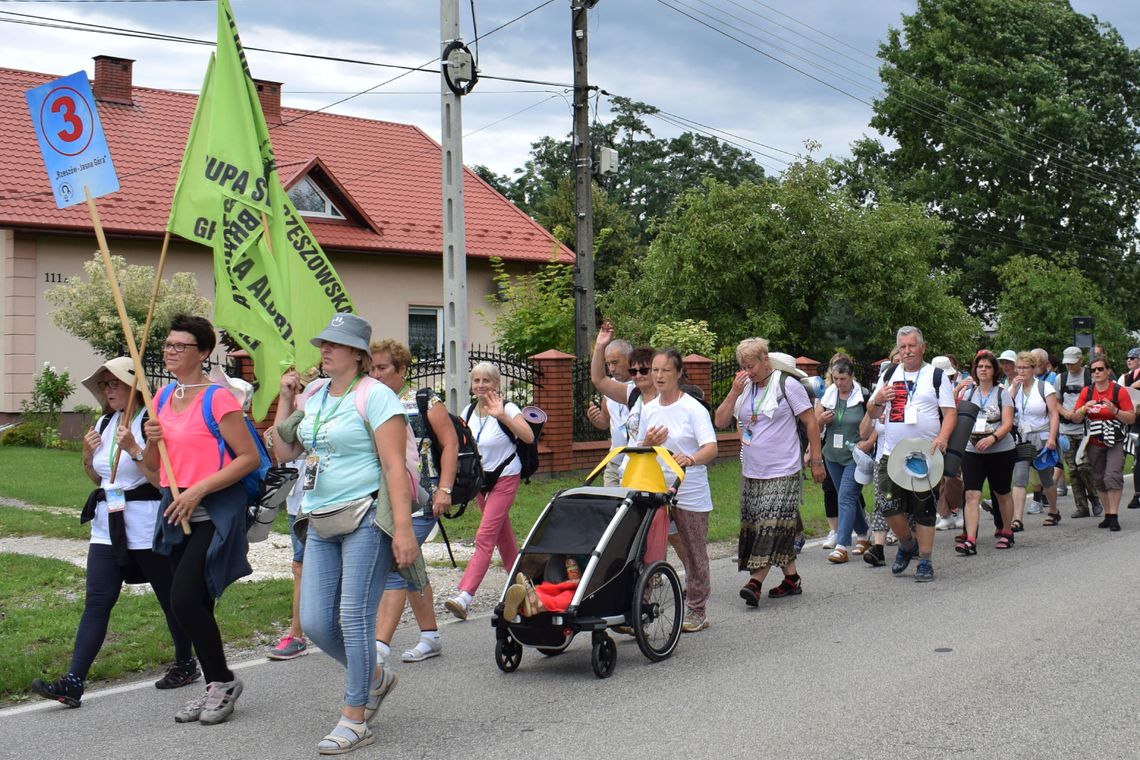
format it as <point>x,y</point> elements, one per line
<point>424,649</point>
<point>336,743</point>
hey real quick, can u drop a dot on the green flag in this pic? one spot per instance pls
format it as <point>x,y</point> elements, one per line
<point>275,291</point>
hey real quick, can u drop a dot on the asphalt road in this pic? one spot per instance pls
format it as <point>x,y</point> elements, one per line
<point>1025,653</point>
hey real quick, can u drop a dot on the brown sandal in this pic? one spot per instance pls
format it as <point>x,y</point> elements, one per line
<point>1052,519</point>
<point>750,593</point>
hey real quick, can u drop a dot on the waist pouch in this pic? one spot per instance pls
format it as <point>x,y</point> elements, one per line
<point>335,519</point>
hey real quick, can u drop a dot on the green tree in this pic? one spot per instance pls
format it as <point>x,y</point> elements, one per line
<point>780,259</point>
<point>1038,300</point>
<point>87,309</point>
<point>1016,123</point>
<point>537,309</point>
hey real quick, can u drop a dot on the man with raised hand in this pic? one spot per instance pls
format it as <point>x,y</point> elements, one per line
<point>611,414</point>
<point>919,403</point>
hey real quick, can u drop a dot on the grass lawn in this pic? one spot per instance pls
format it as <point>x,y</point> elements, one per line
<point>41,601</point>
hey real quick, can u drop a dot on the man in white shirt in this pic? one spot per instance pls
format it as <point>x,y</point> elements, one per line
<point>916,407</point>
<point>612,414</point>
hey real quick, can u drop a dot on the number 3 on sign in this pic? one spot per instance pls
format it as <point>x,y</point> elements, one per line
<point>75,125</point>
<point>66,108</point>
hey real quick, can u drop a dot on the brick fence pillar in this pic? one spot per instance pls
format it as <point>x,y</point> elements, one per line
<point>698,372</point>
<point>556,398</point>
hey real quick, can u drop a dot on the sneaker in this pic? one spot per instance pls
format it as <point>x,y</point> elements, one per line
<point>220,699</point>
<point>1034,508</point>
<point>694,621</point>
<point>290,647</point>
<point>1062,490</point>
<point>67,691</point>
<point>457,607</point>
<point>987,505</point>
<point>381,686</point>
<point>904,556</point>
<point>874,556</point>
<point>829,542</point>
<point>1135,503</point>
<point>945,523</point>
<point>1078,514</point>
<point>892,539</point>
<point>1097,507</point>
<point>959,521</point>
<point>424,649</point>
<point>924,573</point>
<point>192,710</point>
<point>180,674</point>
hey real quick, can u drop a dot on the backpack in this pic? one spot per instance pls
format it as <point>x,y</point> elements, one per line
<point>468,465</point>
<point>936,378</point>
<point>527,453</point>
<point>1066,388</point>
<point>254,482</point>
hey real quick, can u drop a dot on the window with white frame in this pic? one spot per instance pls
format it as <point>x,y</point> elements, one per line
<point>425,330</point>
<point>310,200</point>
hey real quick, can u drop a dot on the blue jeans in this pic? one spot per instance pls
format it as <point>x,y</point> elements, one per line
<point>851,515</point>
<point>341,586</point>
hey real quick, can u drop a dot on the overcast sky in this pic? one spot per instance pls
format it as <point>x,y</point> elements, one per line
<point>642,49</point>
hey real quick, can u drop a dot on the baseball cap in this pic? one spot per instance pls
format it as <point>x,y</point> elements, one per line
<point>1072,355</point>
<point>1007,356</point>
<point>943,363</point>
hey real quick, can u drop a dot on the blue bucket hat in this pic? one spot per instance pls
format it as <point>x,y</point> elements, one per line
<point>1045,459</point>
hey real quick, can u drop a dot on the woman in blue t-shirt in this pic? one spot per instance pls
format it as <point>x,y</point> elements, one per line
<point>349,459</point>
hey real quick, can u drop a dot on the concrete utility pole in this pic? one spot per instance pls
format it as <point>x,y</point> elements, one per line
<point>584,328</point>
<point>454,59</point>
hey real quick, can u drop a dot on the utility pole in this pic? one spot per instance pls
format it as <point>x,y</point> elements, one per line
<point>583,171</point>
<point>457,77</point>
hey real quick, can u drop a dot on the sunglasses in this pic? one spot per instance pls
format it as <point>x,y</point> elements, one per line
<point>1098,369</point>
<point>639,371</point>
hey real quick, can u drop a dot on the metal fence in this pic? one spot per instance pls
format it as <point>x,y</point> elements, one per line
<point>520,376</point>
<point>584,395</point>
<point>157,375</point>
<point>722,374</point>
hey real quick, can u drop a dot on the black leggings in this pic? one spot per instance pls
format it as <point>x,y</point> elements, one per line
<point>192,604</point>
<point>104,581</point>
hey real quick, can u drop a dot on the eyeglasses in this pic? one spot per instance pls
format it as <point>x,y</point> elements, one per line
<point>109,385</point>
<point>177,347</point>
<point>639,370</point>
<point>1098,369</point>
<point>1022,366</point>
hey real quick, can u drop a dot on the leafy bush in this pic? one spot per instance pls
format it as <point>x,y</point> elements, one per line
<point>41,413</point>
<point>87,309</point>
<point>23,434</point>
<point>537,313</point>
<point>687,336</point>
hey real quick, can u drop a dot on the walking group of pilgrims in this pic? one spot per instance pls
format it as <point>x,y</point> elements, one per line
<point>931,439</point>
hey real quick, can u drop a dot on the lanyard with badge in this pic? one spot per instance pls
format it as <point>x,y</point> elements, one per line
<point>910,411</point>
<point>746,432</point>
<point>981,424</point>
<point>116,497</point>
<point>840,411</point>
<point>313,460</point>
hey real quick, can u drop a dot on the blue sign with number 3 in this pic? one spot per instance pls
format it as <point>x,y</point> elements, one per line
<point>71,139</point>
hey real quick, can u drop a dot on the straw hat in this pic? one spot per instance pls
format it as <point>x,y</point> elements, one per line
<point>913,467</point>
<point>121,367</point>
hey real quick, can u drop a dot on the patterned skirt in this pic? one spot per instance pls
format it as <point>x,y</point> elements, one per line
<point>769,520</point>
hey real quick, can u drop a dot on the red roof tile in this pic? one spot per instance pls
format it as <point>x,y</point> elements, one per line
<point>391,172</point>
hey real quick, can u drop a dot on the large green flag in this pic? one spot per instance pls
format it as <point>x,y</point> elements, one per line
<point>273,292</point>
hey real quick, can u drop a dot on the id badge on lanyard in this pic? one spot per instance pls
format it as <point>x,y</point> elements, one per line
<point>910,414</point>
<point>312,468</point>
<point>116,500</point>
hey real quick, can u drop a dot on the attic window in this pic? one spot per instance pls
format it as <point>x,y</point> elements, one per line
<point>310,200</point>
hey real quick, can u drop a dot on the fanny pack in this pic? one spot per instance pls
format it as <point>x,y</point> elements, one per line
<point>335,519</point>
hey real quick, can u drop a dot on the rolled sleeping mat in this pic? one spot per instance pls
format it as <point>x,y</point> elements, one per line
<point>956,447</point>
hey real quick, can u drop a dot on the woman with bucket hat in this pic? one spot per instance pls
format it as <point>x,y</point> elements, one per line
<point>356,514</point>
<point>122,512</point>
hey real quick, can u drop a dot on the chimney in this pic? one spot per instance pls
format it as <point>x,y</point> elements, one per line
<point>269,93</point>
<point>113,79</point>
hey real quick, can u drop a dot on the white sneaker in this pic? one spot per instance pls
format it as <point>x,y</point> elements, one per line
<point>457,606</point>
<point>829,542</point>
<point>959,521</point>
<point>944,523</point>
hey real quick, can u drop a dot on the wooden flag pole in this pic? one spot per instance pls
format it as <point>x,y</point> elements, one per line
<point>142,341</point>
<point>128,334</point>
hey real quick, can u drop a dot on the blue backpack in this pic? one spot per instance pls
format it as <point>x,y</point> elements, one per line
<point>254,482</point>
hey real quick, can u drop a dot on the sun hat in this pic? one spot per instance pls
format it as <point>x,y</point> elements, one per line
<point>913,467</point>
<point>1007,356</point>
<point>122,367</point>
<point>1134,353</point>
<point>242,389</point>
<point>785,363</point>
<point>1072,355</point>
<point>864,466</point>
<point>943,363</point>
<point>1046,458</point>
<point>347,330</point>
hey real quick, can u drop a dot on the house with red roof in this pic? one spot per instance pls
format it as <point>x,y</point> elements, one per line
<point>370,192</point>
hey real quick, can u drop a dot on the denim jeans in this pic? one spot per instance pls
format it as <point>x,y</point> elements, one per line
<point>851,515</point>
<point>341,585</point>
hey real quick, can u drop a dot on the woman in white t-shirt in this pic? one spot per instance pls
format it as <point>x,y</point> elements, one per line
<point>122,512</point>
<point>1035,405</point>
<point>489,418</point>
<point>680,423</point>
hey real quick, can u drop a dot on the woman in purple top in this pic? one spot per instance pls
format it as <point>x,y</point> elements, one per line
<point>766,399</point>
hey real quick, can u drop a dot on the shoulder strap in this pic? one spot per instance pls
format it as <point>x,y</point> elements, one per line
<point>1116,394</point>
<point>360,397</point>
<point>211,423</point>
<point>103,422</point>
<point>631,402</point>
<point>164,395</point>
<point>1088,378</point>
<point>937,379</point>
<point>423,395</point>
<point>467,414</point>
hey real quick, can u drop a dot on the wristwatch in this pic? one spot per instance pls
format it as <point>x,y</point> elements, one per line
<point>138,457</point>
<point>446,490</point>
